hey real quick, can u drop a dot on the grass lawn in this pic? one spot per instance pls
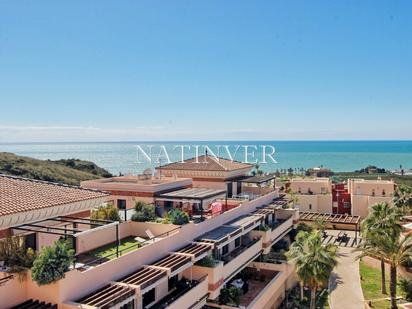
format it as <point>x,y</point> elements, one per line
<point>126,244</point>
<point>371,286</point>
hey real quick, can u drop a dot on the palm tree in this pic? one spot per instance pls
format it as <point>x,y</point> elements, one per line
<point>395,250</point>
<point>402,198</point>
<point>381,218</point>
<point>313,261</point>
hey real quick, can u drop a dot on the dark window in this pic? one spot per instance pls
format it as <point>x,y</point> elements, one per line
<point>310,206</point>
<point>121,204</point>
<point>239,187</point>
<point>229,189</point>
<point>237,242</point>
<point>225,250</point>
<point>149,297</point>
<point>31,241</point>
<point>173,282</point>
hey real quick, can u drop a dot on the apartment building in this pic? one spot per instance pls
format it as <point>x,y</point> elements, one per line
<point>125,191</point>
<point>211,172</point>
<point>365,193</point>
<point>354,198</point>
<point>312,194</point>
<point>166,266</point>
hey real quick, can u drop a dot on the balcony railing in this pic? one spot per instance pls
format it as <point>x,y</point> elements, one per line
<point>137,245</point>
<point>182,288</point>
<point>238,251</point>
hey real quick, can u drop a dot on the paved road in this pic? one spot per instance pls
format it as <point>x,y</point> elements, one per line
<point>344,284</point>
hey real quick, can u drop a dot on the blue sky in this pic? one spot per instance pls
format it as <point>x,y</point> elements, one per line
<point>187,70</point>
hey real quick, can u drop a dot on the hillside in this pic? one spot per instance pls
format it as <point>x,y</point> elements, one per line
<point>70,171</point>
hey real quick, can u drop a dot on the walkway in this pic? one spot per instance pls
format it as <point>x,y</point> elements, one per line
<point>344,284</point>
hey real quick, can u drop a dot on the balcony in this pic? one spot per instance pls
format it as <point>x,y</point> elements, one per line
<point>241,257</point>
<point>188,294</point>
<point>273,232</point>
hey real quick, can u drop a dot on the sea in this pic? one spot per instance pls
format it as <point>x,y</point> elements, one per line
<point>128,157</point>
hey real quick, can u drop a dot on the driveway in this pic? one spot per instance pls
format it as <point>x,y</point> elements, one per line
<point>344,284</point>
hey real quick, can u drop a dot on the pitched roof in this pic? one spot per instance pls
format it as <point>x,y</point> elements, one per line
<point>207,163</point>
<point>19,194</point>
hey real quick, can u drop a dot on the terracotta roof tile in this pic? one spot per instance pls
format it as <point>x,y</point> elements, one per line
<point>207,163</point>
<point>19,194</point>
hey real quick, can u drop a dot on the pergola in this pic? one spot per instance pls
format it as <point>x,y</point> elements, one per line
<point>259,179</point>
<point>108,296</point>
<point>69,227</point>
<point>196,251</point>
<point>145,277</point>
<point>332,219</point>
<point>173,263</point>
<point>192,195</point>
<point>35,304</point>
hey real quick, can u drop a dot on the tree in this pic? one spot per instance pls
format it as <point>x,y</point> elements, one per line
<point>395,250</point>
<point>402,198</point>
<point>381,218</point>
<point>257,170</point>
<point>105,212</point>
<point>178,217</point>
<point>52,263</point>
<point>143,212</point>
<point>313,261</point>
<point>405,286</point>
<point>15,255</point>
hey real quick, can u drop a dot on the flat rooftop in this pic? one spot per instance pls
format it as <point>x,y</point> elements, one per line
<point>139,183</point>
<point>219,233</point>
<point>193,193</point>
<point>311,179</point>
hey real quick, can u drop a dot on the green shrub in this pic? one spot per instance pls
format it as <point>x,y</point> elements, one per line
<point>52,263</point>
<point>178,217</point>
<point>105,212</point>
<point>406,288</point>
<point>208,261</point>
<point>15,255</point>
<point>144,212</point>
<point>230,296</point>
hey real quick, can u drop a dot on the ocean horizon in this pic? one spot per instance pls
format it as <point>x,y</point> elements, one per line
<point>122,157</point>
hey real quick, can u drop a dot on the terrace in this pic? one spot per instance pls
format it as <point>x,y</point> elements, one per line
<point>256,282</point>
<point>186,292</point>
<point>195,201</point>
<point>239,250</point>
<point>103,247</point>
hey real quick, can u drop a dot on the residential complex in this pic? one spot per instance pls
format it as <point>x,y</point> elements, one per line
<point>231,240</point>
<point>354,197</point>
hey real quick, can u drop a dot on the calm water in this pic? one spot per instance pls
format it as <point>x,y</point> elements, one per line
<point>337,155</point>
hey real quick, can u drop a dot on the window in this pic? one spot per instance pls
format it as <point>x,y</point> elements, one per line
<point>346,205</point>
<point>173,282</point>
<point>237,242</point>
<point>225,250</point>
<point>310,206</point>
<point>31,241</point>
<point>373,192</point>
<point>149,297</point>
<point>121,204</point>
